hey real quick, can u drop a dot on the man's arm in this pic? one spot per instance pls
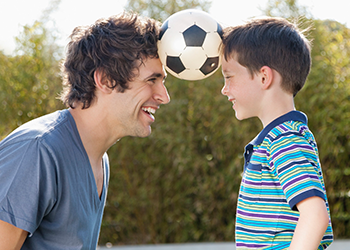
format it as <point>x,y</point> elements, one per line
<point>312,224</point>
<point>11,237</point>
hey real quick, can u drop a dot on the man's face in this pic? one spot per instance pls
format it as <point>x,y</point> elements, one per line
<point>134,109</point>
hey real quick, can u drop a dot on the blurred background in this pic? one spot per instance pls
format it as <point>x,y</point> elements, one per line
<point>181,183</point>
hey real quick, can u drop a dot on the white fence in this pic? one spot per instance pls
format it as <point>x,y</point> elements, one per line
<point>337,245</point>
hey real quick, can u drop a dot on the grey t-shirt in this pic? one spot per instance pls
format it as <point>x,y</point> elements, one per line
<point>48,187</point>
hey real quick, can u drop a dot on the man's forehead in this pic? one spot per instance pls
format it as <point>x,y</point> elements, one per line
<point>150,68</point>
<point>153,67</point>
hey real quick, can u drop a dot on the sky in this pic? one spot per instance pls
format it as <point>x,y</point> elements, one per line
<point>71,13</point>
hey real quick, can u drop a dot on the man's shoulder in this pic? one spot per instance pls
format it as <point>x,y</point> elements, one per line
<point>38,129</point>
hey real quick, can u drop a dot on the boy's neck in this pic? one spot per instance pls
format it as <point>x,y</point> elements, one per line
<point>275,106</point>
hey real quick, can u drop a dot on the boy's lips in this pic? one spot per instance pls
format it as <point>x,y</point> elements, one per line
<point>232,100</point>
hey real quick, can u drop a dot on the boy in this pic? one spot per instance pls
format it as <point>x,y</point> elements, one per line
<point>282,201</point>
<point>54,170</point>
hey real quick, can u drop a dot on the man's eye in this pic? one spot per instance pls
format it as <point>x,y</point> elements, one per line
<point>152,80</point>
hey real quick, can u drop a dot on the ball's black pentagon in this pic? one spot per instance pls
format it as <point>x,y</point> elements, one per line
<point>194,36</point>
<point>163,29</point>
<point>220,31</point>
<point>210,65</point>
<point>174,63</point>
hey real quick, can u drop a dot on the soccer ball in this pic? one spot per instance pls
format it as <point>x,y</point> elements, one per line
<point>188,45</point>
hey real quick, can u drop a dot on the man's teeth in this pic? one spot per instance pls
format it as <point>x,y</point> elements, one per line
<point>149,110</point>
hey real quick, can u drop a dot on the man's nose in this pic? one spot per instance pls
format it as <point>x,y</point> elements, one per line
<point>162,95</point>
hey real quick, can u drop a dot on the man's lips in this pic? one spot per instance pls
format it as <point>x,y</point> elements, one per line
<point>150,111</point>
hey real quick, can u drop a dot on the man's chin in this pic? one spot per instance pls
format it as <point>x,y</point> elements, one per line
<point>144,133</point>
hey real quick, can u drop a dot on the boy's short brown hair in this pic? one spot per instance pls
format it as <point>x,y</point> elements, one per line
<point>272,42</point>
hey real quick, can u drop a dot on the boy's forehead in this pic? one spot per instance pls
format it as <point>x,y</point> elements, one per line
<point>227,62</point>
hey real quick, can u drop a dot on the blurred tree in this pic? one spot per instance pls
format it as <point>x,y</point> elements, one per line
<point>162,9</point>
<point>326,100</point>
<point>181,183</point>
<point>29,80</point>
<point>289,9</point>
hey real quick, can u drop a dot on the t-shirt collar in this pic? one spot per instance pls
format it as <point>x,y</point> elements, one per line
<point>290,116</point>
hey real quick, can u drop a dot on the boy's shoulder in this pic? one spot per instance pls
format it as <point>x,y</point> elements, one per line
<point>294,122</point>
<point>287,127</point>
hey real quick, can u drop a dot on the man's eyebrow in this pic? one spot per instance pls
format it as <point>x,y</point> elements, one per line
<point>156,75</point>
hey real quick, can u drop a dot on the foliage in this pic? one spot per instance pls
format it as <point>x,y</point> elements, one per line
<point>181,183</point>
<point>326,99</point>
<point>285,8</point>
<point>29,80</point>
<point>162,9</point>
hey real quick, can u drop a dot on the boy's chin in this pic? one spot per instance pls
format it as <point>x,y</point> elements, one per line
<point>241,117</point>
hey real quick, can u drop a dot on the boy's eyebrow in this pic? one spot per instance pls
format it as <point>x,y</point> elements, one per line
<point>226,71</point>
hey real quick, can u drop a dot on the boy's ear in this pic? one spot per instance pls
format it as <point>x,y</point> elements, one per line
<point>266,76</point>
<point>101,81</point>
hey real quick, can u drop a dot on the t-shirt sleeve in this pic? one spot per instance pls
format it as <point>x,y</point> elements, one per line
<point>297,166</point>
<point>28,188</point>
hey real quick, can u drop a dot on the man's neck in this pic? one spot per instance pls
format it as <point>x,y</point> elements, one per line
<point>93,133</point>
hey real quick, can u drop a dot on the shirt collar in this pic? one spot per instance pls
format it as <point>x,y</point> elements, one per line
<point>290,116</point>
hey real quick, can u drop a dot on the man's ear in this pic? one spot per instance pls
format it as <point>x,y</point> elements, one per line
<point>101,81</point>
<point>266,76</point>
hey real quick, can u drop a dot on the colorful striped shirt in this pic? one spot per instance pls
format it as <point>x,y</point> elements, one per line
<point>281,169</point>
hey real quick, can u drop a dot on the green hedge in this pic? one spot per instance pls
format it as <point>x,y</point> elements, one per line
<point>181,183</point>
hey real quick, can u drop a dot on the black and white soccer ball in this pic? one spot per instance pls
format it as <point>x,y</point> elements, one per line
<point>188,45</point>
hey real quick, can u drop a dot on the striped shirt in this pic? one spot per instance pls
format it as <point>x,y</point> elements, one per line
<point>281,169</point>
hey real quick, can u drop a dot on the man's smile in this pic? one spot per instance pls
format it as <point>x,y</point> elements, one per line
<point>150,111</point>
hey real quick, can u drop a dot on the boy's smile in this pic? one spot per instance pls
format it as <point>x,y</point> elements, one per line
<point>241,88</point>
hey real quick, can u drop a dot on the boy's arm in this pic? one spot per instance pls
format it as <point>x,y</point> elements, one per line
<point>312,224</point>
<point>11,237</point>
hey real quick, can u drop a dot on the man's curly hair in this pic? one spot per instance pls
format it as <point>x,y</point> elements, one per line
<point>117,45</point>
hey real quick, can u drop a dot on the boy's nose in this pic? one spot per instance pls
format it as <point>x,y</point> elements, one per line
<point>224,89</point>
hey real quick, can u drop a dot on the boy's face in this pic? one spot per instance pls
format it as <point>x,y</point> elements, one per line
<point>135,107</point>
<point>241,89</point>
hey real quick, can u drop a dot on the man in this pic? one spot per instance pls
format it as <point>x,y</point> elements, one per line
<point>54,170</point>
